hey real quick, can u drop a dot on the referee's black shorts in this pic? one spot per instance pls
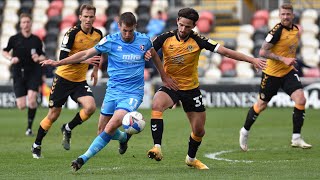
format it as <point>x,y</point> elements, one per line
<point>21,84</point>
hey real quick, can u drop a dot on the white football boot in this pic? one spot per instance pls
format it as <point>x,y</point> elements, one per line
<point>243,139</point>
<point>299,142</point>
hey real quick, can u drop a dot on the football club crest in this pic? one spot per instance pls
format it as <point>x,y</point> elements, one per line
<point>51,103</point>
<point>142,47</point>
<point>190,48</point>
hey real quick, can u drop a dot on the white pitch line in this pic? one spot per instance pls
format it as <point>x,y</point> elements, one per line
<point>215,155</point>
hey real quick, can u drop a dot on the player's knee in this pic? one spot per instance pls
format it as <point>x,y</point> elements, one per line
<point>199,131</point>
<point>298,97</point>
<point>260,106</point>
<point>158,106</point>
<point>198,134</point>
<point>86,113</point>
<point>300,100</point>
<point>53,116</point>
<point>90,110</point>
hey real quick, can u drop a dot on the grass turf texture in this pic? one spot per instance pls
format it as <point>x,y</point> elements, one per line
<point>269,148</point>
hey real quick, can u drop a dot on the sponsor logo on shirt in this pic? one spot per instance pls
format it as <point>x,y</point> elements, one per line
<point>131,57</point>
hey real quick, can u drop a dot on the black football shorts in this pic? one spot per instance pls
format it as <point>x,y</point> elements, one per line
<point>61,89</point>
<point>191,100</point>
<point>270,85</point>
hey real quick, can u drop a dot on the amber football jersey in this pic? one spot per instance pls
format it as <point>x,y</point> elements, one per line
<point>76,40</point>
<point>181,57</point>
<point>285,42</point>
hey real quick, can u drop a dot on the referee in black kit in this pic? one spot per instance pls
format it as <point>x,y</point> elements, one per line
<point>26,54</point>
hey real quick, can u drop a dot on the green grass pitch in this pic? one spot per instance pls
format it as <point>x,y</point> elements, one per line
<point>270,155</point>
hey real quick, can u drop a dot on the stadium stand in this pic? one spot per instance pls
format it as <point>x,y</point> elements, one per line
<point>222,21</point>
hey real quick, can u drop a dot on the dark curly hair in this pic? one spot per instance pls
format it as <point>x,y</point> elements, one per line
<point>189,13</point>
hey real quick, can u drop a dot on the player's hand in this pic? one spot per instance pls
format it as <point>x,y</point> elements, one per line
<point>49,62</point>
<point>260,64</point>
<point>147,55</point>
<point>94,77</point>
<point>95,60</point>
<point>290,62</point>
<point>170,83</point>
<point>14,60</point>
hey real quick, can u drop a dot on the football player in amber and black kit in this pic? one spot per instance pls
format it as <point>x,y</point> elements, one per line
<point>27,52</point>
<point>70,80</point>
<point>181,49</point>
<point>279,49</point>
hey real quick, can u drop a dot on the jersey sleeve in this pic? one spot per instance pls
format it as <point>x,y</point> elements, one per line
<point>159,40</point>
<point>149,44</point>
<point>10,44</point>
<point>205,43</point>
<point>104,46</point>
<point>99,32</point>
<point>67,43</point>
<point>274,35</point>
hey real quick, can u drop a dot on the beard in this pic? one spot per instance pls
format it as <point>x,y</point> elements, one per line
<point>182,36</point>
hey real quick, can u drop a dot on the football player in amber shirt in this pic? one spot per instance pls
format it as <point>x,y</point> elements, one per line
<point>279,49</point>
<point>181,49</point>
<point>70,80</point>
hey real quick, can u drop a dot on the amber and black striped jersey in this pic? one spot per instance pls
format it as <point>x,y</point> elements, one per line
<point>286,41</point>
<point>76,40</point>
<point>181,57</point>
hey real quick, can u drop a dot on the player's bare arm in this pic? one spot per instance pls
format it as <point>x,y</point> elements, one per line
<point>167,81</point>
<point>75,58</point>
<point>265,52</point>
<point>95,61</point>
<point>257,63</point>
<point>94,74</point>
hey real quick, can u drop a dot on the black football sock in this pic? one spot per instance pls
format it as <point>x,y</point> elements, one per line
<point>193,147</point>
<point>31,115</point>
<point>157,130</point>
<point>75,121</point>
<point>251,118</point>
<point>40,135</point>
<point>297,119</point>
